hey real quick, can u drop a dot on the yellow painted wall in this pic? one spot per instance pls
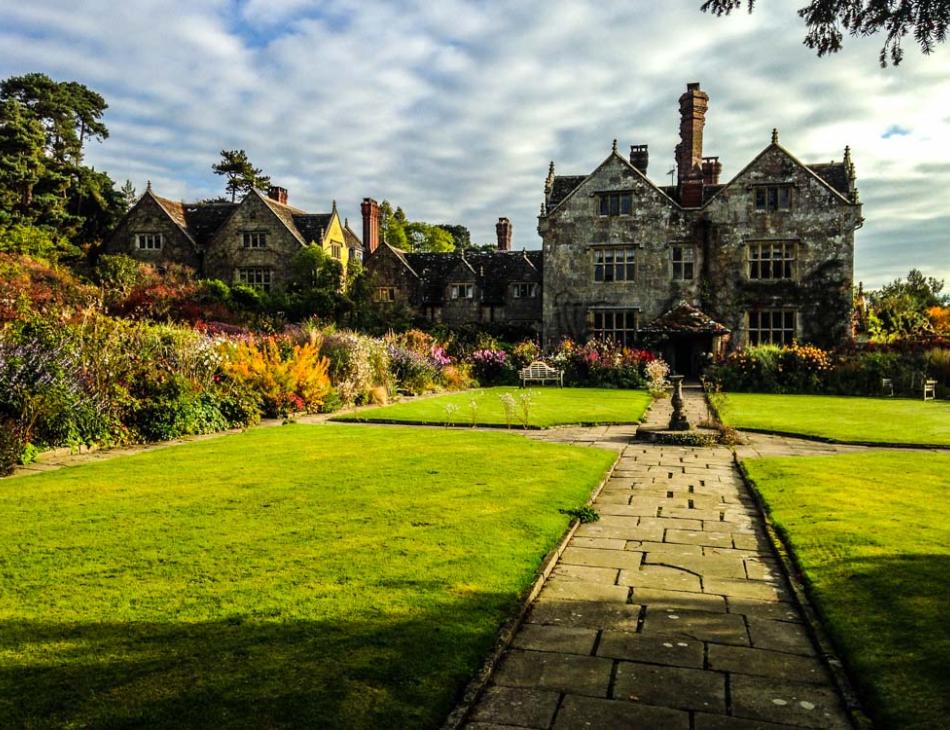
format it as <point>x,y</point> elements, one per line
<point>334,234</point>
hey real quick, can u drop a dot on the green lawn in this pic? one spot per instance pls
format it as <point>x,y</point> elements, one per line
<point>300,576</point>
<point>872,533</point>
<point>549,406</point>
<point>880,420</point>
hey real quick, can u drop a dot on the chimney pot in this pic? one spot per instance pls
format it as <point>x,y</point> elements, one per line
<point>712,169</point>
<point>370,210</point>
<point>277,193</point>
<point>503,231</point>
<point>640,157</point>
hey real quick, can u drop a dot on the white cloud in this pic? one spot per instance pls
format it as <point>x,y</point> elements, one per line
<point>453,109</point>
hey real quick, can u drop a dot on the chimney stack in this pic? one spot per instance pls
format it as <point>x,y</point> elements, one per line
<point>689,152</point>
<point>370,210</point>
<point>277,193</point>
<point>712,169</point>
<point>639,157</point>
<point>503,231</point>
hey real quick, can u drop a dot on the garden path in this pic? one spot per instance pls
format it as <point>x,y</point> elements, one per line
<point>669,612</point>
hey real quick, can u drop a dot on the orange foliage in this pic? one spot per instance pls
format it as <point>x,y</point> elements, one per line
<point>940,320</point>
<point>289,377</point>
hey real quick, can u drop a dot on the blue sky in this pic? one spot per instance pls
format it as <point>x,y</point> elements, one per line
<point>453,109</point>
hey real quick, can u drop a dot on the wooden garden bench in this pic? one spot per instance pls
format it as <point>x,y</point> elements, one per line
<point>540,372</point>
<point>930,389</point>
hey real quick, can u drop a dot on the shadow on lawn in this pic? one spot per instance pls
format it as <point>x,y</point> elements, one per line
<point>890,615</point>
<point>244,672</point>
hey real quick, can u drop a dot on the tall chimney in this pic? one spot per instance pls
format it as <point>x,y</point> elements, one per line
<point>370,210</point>
<point>503,231</point>
<point>639,157</point>
<point>689,152</point>
<point>712,169</point>
<point>277,193</point>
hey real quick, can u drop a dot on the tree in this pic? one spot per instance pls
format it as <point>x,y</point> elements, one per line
<point>900,309</point>
<point>22,165</point>
<point>926,20</point>
<point>241,174</point>
<point>398,231</point>
<point>461,236</point>
<point>128,194</point>
<point>428,238</point>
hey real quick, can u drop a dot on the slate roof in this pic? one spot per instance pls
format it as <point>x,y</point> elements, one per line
<point>685,319</point>
<point>353,241</point>
<point>835,174</point>
<point>312,225</point>
<point>201,221</point>
<point>563,186</point>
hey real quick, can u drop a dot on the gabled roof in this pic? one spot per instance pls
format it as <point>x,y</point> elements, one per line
<point>563,186</point>
<point>204,219</point>
<point>285,213</point>
<point>685,319</point>
<point>353,241</point>
<point>312,226</point>
<point>175,211</point>
<point>835,174</point>
<point>810,169</point>
<point>568,181</point>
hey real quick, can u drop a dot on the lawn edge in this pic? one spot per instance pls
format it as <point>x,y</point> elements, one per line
<point>843,442</point>
<point>499,426</point>
<point>829,651</point>
<point>506,634</point>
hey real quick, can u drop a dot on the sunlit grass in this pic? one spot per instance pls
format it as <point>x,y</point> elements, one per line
<point>872,533</point>
<point>302,576</point>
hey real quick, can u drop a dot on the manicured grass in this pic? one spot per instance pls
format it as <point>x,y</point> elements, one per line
<point>872,533</point>
<point>878,420</point>
<point>300,576</point>
<point>550,406</point>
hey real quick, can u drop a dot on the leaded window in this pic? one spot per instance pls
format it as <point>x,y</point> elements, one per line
<point>616,203</point>
<point>524,290</point>
<point>615,264</point>
<point>619,325</point>
<point>773,197</point>
<point>462,291</point>
<point>684,260</point>
<point>254,239</point>
<point>769,260</point>
<point>255,276</point>
<point>149,241</point>
<point>771,326</point>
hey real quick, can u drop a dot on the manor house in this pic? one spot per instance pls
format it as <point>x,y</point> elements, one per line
<point>689,268</point>
<point>251,242</point>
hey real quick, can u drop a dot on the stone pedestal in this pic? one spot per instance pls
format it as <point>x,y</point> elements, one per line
<point>678,420</point>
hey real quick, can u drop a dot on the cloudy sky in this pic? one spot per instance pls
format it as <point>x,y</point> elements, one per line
<point>452,109</point>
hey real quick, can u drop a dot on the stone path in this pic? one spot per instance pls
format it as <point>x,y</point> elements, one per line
<point>670,612</point>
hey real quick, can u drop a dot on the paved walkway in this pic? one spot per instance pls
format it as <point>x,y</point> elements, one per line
<point>669,613</point>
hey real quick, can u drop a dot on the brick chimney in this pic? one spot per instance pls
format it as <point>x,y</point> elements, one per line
<point>370,210</point>
<point>277,193</point>
<point>689,152</point>
<point>639,157</point>
<point>712,169</point>
<point>503,231</point>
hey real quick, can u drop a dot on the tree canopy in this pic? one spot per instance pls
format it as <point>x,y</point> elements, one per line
<point>398,231</point>
<point>828,20</point>
<point>242,176</point>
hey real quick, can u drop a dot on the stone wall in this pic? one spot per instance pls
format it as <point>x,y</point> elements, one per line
<point>148,217</point>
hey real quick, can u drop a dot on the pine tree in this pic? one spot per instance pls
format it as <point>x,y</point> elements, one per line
<point>127,192</point>
<point>242,176</point>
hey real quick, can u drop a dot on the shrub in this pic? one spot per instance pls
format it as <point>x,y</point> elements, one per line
<point>657,372</point>
<point>289,377</point>
<point>602,363</point>
<point>358,364</point>
<point>412,371</point>
<point>524,353</point>
<point>491,366</point>
<point>457,377</point>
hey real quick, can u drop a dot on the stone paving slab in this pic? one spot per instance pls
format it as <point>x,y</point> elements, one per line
<point>669,612</point>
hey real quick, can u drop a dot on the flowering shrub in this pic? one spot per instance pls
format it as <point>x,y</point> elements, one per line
<point>657,371</point>
<point>30,288</point>
<point>412,371</point>
<point>602,363</point>
<point>490,366</point>
<point>457,377</point>
<point>524,353</point>
<point>289,377</point>
<point>358,365</point>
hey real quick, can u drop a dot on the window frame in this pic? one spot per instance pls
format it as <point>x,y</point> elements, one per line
<point>684,263</point>
<point>772,198</point>
<point>609,261</point>
<point>529,287</point>
<point>761,260</point>
<point>254,240</point>
<point>783,332</point>
<point>603,324</point>
<point>263,277</point>
<point>385,294</point>
<point>456,291</point>
<point>614,203</point>
<point>153,237</point>
<point>336,251</point>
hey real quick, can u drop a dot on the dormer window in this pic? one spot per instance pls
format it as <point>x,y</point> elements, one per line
<point>149,241</point>
<point>616,203</point>
<point>462,291</point>
<point>255,239</point>
<point>773,197</point>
